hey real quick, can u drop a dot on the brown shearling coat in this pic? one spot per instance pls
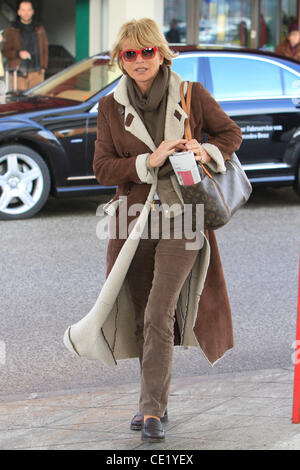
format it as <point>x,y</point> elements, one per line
<point>115,163</point>
<point>203,315</point>
<point>12,44</point>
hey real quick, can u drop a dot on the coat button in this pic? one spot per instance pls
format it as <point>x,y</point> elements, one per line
<point>126,154</point>
<point>121,110</point>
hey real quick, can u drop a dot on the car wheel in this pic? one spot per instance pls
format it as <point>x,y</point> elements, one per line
<point>297,181</point>
<point>24,182</point>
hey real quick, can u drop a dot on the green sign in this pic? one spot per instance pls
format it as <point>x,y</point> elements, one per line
<point>82,29</point>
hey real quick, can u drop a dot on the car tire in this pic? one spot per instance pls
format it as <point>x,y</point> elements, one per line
<point>24,182</point>
<point>297,180</point>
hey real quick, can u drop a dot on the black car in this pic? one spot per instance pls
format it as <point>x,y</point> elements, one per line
<point>47,134</point>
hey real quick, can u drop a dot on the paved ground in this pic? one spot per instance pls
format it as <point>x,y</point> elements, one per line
<point>51,271</point>
<point>53,266</point>
<point>245,411</point>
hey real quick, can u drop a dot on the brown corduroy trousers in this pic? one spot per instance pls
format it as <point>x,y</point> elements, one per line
<point>156,275</point>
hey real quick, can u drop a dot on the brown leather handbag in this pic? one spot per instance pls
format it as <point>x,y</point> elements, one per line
<point>222,194</point>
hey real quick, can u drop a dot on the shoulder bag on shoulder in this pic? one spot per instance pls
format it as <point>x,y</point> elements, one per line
<point>222,194</point>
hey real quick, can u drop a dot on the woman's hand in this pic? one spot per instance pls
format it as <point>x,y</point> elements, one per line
<point>24,55</point>
<point>165,149</point>
<point>200,154</point>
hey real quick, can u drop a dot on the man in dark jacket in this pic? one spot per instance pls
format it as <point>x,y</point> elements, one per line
<point>26,48</point>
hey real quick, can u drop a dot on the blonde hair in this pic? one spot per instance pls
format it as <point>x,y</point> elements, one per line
<point>142,33</point>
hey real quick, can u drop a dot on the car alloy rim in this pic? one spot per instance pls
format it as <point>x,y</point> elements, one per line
<point>21,183</point>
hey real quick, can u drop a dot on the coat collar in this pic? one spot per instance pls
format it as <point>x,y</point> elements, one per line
<point>175,116</point>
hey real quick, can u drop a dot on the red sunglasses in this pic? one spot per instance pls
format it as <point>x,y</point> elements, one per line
<point>131,54</point>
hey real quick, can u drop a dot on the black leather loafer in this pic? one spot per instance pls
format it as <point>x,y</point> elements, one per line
<point>137,420</point>
<point>152,430</point>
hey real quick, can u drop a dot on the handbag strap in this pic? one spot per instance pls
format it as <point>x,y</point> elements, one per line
<point>186,106</point>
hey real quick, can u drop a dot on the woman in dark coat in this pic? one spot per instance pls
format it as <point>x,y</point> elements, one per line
<point>151,298</point>
<point>290,46</point>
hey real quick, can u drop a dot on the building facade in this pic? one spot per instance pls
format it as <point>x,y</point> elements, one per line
<point>86,27</point>
<point>247,23</point>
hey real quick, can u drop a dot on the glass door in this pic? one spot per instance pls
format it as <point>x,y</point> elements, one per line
<point>175,21</point>
<point>269,24</point>
<point>225,23</point>
<point>289,16</point>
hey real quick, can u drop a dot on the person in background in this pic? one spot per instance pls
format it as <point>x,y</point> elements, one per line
<point>290,46</point>
<point>26,48</point>
<point>173,36</point>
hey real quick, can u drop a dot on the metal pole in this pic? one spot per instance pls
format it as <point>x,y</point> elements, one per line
<point>296,398</point>
<point>192,21</point>
<point>196,21</point>
<point>279,24</point>
<point>255,16</point>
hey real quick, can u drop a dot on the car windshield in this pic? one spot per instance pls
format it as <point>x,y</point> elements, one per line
<point>81,81</point>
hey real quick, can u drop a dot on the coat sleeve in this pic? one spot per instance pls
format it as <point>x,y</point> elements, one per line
<point>279,49</point>
<point>110,168</point>
<point>9,48</point>
<point>222,131</point>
